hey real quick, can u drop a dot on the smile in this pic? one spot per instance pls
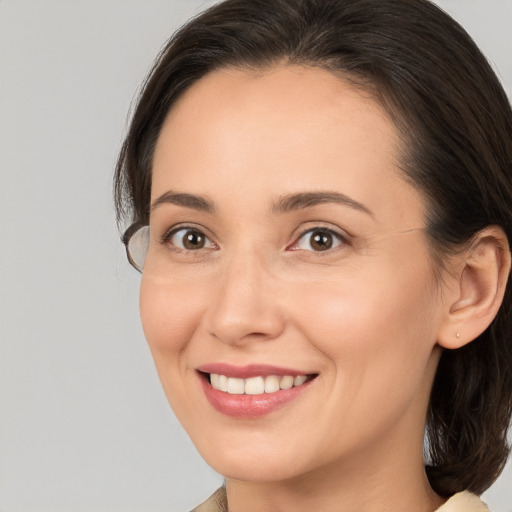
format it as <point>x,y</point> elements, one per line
<point>253,391</point>
<point>255,385</point>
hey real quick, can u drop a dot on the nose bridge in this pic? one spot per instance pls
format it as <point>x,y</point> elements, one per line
<point>243,306</point>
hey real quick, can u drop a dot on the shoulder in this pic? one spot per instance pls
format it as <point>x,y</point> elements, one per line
<point>464,502</point>
<point>217,502</point>
<point>461,502</point>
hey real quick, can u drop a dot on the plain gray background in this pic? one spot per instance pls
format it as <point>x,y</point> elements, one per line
<point>84,425</point>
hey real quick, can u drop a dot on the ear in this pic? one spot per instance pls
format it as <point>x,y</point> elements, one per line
<point>477,291</point>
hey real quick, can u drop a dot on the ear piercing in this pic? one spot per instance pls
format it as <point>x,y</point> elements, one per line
<point>458,335</point>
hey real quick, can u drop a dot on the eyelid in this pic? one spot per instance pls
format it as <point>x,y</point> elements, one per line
<point>340,234</point>
<point>176,228</point>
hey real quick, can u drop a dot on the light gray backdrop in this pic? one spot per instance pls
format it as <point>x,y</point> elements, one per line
<point>84,425</point>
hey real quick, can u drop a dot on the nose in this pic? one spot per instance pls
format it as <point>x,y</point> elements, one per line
<point>244,305</point>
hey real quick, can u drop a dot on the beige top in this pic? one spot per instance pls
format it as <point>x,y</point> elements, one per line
<point>461,502</point>
<point>464,502</point>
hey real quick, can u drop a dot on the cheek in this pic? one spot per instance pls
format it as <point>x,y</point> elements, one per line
<point>377,346</point>
<point>169,315</point>
<point>378,333</point>
<point>373,310</point>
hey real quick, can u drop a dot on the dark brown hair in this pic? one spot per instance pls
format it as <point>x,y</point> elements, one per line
<point>456,125</point>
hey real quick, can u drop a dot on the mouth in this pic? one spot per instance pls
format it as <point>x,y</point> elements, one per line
<point>255,385</point>
<point>253,391</point>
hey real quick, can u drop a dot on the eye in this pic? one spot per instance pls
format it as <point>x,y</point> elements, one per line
<point>188,239</point>
<point>319,240</point>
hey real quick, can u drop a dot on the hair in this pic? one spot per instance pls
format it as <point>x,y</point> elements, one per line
<point>456,126</point>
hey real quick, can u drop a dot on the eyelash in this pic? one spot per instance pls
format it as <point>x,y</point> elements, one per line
<point>170,233</point>
<point>338,238</point>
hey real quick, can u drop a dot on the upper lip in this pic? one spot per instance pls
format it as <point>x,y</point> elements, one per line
<point>248,371</point>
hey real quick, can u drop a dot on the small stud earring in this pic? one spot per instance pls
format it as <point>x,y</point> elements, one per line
<point>458,335</point>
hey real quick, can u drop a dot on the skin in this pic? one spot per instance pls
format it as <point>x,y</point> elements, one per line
<point>366,316</point>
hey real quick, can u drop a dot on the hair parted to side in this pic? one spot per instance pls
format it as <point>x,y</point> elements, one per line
<point>456,125</point>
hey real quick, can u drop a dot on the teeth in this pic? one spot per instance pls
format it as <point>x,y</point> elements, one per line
<point>223,383</point>
<point>286,382</point>
<point>271,384</point>
<point>236,386</point>
<point>255,385</point>
<point>215,380</point>
<point>300,379</point>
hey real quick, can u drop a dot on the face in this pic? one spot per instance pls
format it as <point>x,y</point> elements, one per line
<point>287,260</point>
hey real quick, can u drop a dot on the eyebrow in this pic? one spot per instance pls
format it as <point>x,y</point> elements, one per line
<point>186,200</point>
<point>287,203</point>
<point>293,202</point>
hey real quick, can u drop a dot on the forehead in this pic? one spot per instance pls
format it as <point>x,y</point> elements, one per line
<point>277,100</point>
<point>279,131</point>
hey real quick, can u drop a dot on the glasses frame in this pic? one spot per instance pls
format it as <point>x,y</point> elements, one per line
<point>127,236</point>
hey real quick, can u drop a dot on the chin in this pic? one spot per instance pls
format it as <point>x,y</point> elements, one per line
<point>257,464</point>
<point>254,471</point>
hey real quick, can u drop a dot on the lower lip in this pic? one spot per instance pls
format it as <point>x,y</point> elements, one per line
<point>251,406</point>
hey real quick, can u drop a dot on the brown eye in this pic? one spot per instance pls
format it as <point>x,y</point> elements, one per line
<point>190,239</point>
<point>319,240</point>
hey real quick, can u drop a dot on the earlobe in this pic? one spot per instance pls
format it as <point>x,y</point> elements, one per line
<point>478,290</point>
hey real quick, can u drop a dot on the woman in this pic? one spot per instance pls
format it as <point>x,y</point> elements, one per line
<point>320,201</point>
